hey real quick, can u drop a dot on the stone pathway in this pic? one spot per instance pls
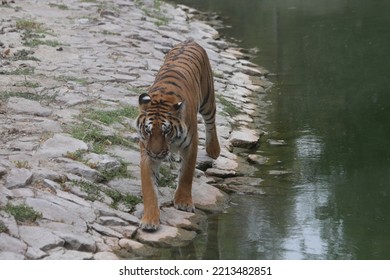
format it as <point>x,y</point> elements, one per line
<point>70,76</point>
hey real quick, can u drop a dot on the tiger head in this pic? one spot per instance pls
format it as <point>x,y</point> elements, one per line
<point>159,125</point>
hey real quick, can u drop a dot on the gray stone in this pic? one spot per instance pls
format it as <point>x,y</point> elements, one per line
<point>25,106</point>
<point>11,244</point>
<point>18,178</point>
<point>244,138</point>
<point>224,163</point>
<point>257,159</point>
<point>105,256</point>
<point>104,210</point>
<point>166,236</point>
<point>10,223</point>
<point>106,231</point>
<point>11,256</point>
<point>40,238</point>
<point>42,173</point>
<point>56,213</point>
<point>126,186</point>
<point>102,162</point>
<point>51,184</point>
<point>279,172</point>
<point>69,255</point>
<point>3,171</point>
<point>70,203</point>
<point>274,142</point>
<point>130,156</point>
<point>59,145</point>
<point>222,173</point>
<point>181,219</point>
<point>111,221</point>
<point>77,241</point>
<point>207,197</point>
<point>83,171</point>
<point>35,253</point>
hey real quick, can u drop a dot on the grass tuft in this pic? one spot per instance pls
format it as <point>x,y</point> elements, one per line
<point>23,213</point>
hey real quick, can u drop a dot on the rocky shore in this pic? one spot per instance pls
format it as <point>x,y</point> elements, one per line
<point>70,76</point>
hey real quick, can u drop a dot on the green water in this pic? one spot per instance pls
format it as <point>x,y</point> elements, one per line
<point>331,104</point>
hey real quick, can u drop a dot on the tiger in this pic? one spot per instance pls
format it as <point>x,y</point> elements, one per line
<point>167,124</point>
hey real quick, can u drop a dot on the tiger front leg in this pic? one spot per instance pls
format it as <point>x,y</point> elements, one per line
<point>183,195</point>
<point>149,175</point>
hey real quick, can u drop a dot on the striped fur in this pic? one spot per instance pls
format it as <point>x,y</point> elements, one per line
<point>167,123</point>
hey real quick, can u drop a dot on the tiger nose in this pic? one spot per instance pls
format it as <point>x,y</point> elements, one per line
<point>161,155</point>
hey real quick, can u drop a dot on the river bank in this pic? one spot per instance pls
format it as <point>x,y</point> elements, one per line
<point>69,167</point>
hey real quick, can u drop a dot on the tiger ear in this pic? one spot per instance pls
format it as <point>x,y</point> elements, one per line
<point>178,106</point>
<point>144,99</point>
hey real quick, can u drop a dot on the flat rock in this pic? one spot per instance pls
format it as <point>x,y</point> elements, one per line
<point>225,163</point>
<point>77,241</point>
<point>106,230</point>
<point>166,236</point>
<point>126,186</point>
<point>221,173</point>
<point>59,145</point>
<point>128,155</point>
<point>102,162</point>
<point>181,219</point>
<point>69,255</point>
<point>18,178</point>
<point>11,244</point>
<point>105,256</point>
<point>84,171</point>
<point>11,256</point>
<point>244,138</point>
<point>257,159</point>
<point>56,213</point>
<point>111,221</point>
<point>274,142</point>
<point>40,238</point>
<point>206,197</point>
<point>25,106</point>
<point>35,253</point>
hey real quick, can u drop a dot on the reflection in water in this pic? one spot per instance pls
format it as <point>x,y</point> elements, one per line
<point>331,105</point>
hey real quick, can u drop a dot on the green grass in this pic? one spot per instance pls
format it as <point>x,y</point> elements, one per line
<point>167,178</point>
<point>229,107</point>
<point>30,84</point>
<point>38,42</point>
<point>23,213</point>
<point>92,190</point>
<point>63,78</point>
<point>121,172</point>
<point>27,95</point>
<point>112,116</point>
<point>95,192</point>
<point>30,25</point>
<point>88,132</point>
<point>58,6</point>
<point>20,71</point>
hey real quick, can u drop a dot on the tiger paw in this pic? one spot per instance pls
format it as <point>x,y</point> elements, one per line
<point>187,206</point>
<point>150,223</point>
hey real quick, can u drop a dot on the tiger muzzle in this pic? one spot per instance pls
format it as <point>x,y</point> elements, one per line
<point>158,156</point>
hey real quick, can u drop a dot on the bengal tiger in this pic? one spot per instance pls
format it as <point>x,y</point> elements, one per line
<point>167,123</point>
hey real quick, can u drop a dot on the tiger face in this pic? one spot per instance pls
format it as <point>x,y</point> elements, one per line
<point>159,126</point>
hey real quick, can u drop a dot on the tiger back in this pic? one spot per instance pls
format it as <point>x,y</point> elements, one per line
<point>167,123</point>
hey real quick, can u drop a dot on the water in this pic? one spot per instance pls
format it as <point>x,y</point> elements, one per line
<point>331,104</point>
